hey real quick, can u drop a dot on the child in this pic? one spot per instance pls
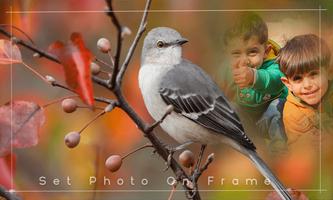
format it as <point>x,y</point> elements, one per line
<point>259,92</point>
<point>305,60</point>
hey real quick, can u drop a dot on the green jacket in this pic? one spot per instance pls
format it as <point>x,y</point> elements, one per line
<point>266,88</point>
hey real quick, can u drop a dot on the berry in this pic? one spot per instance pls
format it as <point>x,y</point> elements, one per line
<point>69,105</point>
<point>113,163</point>
<point>104,45</point>
<point>94,68</point>
<point>72,139</point>
<point>186,158</point>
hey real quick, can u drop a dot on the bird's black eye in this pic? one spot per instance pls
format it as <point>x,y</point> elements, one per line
<point>160,44</point>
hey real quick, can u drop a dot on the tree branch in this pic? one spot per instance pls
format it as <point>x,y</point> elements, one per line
<point>8,195</point>
<point>116,23</point>
<point>114,85</point>
<point>139,33</point>
<point>28,46</point>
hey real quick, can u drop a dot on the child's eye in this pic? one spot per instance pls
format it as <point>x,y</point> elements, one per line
<point>252,52</point>
<point>314,73</point>
<point>297,78</point>
<point>235,54</point>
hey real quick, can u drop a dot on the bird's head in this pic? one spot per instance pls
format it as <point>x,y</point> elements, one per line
<point>162,45</point>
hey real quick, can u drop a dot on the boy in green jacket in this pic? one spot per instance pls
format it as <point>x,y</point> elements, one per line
<point>259,92</point>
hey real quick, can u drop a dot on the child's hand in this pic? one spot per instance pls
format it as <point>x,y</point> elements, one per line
<point>243,75</point>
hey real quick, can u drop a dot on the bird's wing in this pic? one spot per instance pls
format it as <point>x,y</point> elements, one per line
<point>196,96</point>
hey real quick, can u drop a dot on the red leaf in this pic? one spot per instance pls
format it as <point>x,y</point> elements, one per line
<point>9,53</point>
<point>296,195</point>
<point>6,171</point>
<point>20,127</point>
<point>76,59</point>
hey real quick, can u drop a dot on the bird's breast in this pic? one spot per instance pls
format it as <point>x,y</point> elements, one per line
<point>149,81</point>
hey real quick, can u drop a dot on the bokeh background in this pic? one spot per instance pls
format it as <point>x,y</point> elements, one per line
<point>308,168</point>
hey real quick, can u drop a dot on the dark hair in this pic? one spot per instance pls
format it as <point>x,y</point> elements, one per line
<point>302,54</point>
<point>246,26</point>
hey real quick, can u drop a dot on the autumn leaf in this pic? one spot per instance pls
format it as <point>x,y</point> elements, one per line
<point>296,195</point>
<point>76,59</point>
<point>20,122</point>
<point>9,53</point>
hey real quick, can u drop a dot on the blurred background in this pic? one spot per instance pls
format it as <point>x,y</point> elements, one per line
<point>307,169</point>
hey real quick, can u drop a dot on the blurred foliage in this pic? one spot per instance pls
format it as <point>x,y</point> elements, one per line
<point>307,167</point>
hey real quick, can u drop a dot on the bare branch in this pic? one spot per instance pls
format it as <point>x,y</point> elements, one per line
<point>159,147</point>
<point>58,100</point>
<point>116,23</point>
<point>104,63</point>
<point>91,121</point>
<point>55,84</point>
<point>198,173</point>
<point>101,82</point>
<point>114,85</point>
<point>106,100</point>
<point>209,160</point>
<point>19,30</point>
<point>154,125</point>
<point>129,55</point>
<point>30,47</point>
<point>137,149</point>
<point>7,195</point>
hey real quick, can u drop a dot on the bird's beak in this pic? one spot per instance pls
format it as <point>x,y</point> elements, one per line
<point>181,41</point>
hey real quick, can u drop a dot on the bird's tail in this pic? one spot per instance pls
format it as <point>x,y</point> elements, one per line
<point>265,171</point>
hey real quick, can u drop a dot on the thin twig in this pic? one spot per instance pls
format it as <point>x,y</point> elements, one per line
<point>197,166</point>
<point>101,81</point>
<point>198,173</point>
<point>154,125</point>
<point>111,58</point>
<point>106,100</point>
<point>58,100</point>
<point>104,63</point>
<point>116,23</point>
<point>19,30</point>
<point>92,120</point>
<point>45,55</point>
<point>174,186</point>
<point>55,84</point>
<point>209,160</point>
<point>30,47</point>
<point>139,33</point>
<point>137,149</point>
<point>35,72</point>
<point>8,195</point>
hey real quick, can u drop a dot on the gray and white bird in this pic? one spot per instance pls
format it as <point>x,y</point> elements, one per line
<point>201,113</point>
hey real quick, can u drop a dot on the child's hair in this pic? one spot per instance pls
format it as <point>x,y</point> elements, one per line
<point>302,54</point>
<point>246,26</point>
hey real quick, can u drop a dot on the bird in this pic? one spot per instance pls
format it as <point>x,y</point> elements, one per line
<point>201,112</point>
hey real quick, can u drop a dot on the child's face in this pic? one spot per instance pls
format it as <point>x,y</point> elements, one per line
<point>247,53</point>
<point>309,87</point>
